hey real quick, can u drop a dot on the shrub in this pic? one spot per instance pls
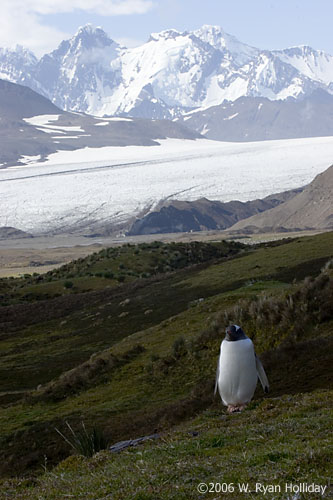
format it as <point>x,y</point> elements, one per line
<point>179,347</point>
<point>68,284</point>
<point>108,275</point>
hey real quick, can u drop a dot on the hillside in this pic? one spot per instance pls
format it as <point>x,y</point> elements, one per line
<point>312,208</point>
<point>138,354</point>
<point>259,119</point>
<point>11,232</point>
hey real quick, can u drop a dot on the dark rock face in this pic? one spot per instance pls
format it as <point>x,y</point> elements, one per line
<point>173,220</point>
<point>203,214</point>
<point>7,233</point>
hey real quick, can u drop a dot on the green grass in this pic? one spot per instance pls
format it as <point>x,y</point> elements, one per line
<point>278,441</point>
<point>142,355</point>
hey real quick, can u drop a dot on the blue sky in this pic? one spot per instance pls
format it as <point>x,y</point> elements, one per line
<point>268,24</point>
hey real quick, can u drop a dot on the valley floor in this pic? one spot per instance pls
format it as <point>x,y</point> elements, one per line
<point>42,254</point>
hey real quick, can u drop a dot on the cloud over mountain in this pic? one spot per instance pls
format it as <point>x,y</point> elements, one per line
<point>22,22</point>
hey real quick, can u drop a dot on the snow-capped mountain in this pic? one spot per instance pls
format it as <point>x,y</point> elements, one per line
<point>18,65</point>
<point>170,75</point>
<point>78,72</point>
<point>315,64</point>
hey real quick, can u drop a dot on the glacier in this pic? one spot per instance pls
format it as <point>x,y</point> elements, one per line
<point>74,190</point>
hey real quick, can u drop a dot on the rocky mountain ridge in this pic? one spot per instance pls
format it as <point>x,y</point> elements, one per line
<point>258,119</point>
<point>171,74</point>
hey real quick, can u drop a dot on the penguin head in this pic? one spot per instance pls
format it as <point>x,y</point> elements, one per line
<point>233,333</point>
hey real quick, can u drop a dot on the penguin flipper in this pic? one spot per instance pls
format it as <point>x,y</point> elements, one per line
<point>262,375</point>
<point>217,376</point>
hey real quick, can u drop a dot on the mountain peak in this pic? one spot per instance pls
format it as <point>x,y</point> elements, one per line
<point>166,34</point>
<point>211,29</point>
<point>19,50</point>
<point>219,39</point>
<point>88,36</point>
<point>89,29</point>
<point>214,35</point>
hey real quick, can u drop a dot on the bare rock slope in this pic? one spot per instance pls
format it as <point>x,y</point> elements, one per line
<point>310,209</point>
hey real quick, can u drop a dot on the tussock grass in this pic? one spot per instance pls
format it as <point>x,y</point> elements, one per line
<point>84,442</point>
<point>272,320</point>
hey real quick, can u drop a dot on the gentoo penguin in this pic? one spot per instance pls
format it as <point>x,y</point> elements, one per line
<point>238,369</point>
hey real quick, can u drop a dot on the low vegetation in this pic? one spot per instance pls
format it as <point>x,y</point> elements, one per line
<point>111,267</point>
<point>140,357</point>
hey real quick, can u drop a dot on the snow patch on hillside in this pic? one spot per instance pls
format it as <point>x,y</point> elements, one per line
<point>41,120</point>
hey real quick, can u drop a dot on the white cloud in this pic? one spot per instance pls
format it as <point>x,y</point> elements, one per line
<point>129,42</point>
<point>21,21</point>
<point>103,7</point>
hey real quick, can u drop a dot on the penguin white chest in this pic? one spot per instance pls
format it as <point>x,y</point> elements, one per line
<point>237,372</point>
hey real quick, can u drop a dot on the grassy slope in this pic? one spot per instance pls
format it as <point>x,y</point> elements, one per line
<point>275,441</point>
<point>61,332</point>
<point>133,392</point>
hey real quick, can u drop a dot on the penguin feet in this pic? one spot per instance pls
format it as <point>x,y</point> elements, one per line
<point>233,409</point>
<point>236,408</point>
